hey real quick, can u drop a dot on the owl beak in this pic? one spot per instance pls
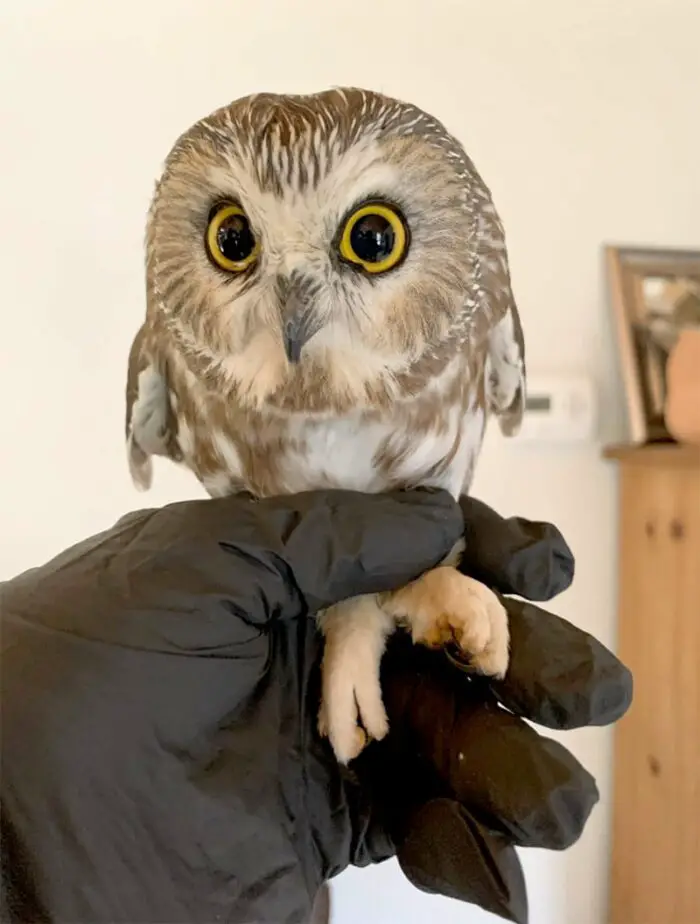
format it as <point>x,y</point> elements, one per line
<point>299,320</point>
<point>296,332</point>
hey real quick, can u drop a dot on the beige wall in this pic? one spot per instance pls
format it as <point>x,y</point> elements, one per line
<point>582,117</point>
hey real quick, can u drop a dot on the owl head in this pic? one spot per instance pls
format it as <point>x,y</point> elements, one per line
<point>342,239</point>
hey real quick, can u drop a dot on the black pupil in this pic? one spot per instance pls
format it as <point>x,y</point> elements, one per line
<point>372,238</point>
<point>235,239</point>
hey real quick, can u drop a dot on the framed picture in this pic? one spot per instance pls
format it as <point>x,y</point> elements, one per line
<point>654,293</point>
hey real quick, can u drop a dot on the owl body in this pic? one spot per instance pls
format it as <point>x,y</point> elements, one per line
<point>430,439</point>
<point>329,306</point>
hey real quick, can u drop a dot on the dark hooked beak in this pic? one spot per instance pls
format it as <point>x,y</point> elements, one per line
<point>299,320</point>
<point>297,331</point>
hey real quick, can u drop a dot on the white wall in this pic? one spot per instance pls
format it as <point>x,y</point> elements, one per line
<point>581,116</point>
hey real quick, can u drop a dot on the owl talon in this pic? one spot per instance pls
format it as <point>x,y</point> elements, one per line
<point>345,747</point>
<point>446,609</point>
<point>352,710</point>
<point>347,738</point>
<point>492,661</point>
<point>349,716</point>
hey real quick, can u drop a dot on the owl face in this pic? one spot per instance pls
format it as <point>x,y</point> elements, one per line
<point>327,238</point>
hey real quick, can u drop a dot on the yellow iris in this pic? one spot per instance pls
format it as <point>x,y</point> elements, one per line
<point>230,239</point>
<point>374,237</point>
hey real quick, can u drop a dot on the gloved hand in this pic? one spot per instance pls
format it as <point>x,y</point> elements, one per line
<point>160,686</point>
<point>462,779</point>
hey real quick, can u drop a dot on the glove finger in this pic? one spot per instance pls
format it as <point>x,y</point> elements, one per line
<point>277,558</point>
<point>528,786</point>
<point>448,852</point>
<point>340,544</point>
<point>514,555</point>
<point>560,676</point>
<point>524,785</point>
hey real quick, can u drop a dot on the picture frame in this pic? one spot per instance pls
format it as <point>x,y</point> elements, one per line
<point>654,292</point>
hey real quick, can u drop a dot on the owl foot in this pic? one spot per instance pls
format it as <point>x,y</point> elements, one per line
<point>352,710</point>
<point>446,607</point>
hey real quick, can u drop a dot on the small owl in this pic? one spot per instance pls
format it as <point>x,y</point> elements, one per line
<point>329,306</point>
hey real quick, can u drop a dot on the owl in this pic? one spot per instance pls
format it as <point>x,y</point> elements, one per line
<point>329,306</point>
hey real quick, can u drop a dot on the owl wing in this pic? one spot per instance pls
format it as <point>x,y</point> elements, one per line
<point>505,354</point>
<point>505,371</point>
<point>151,427</point>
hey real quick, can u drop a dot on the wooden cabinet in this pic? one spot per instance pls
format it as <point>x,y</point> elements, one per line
<point>655,860</point>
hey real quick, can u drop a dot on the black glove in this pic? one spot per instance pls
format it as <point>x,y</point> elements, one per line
<point>160,690</point>
<point>463,781</point>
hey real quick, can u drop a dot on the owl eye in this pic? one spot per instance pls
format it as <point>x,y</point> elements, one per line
<point>230,240</point>
<point>374,237</point>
